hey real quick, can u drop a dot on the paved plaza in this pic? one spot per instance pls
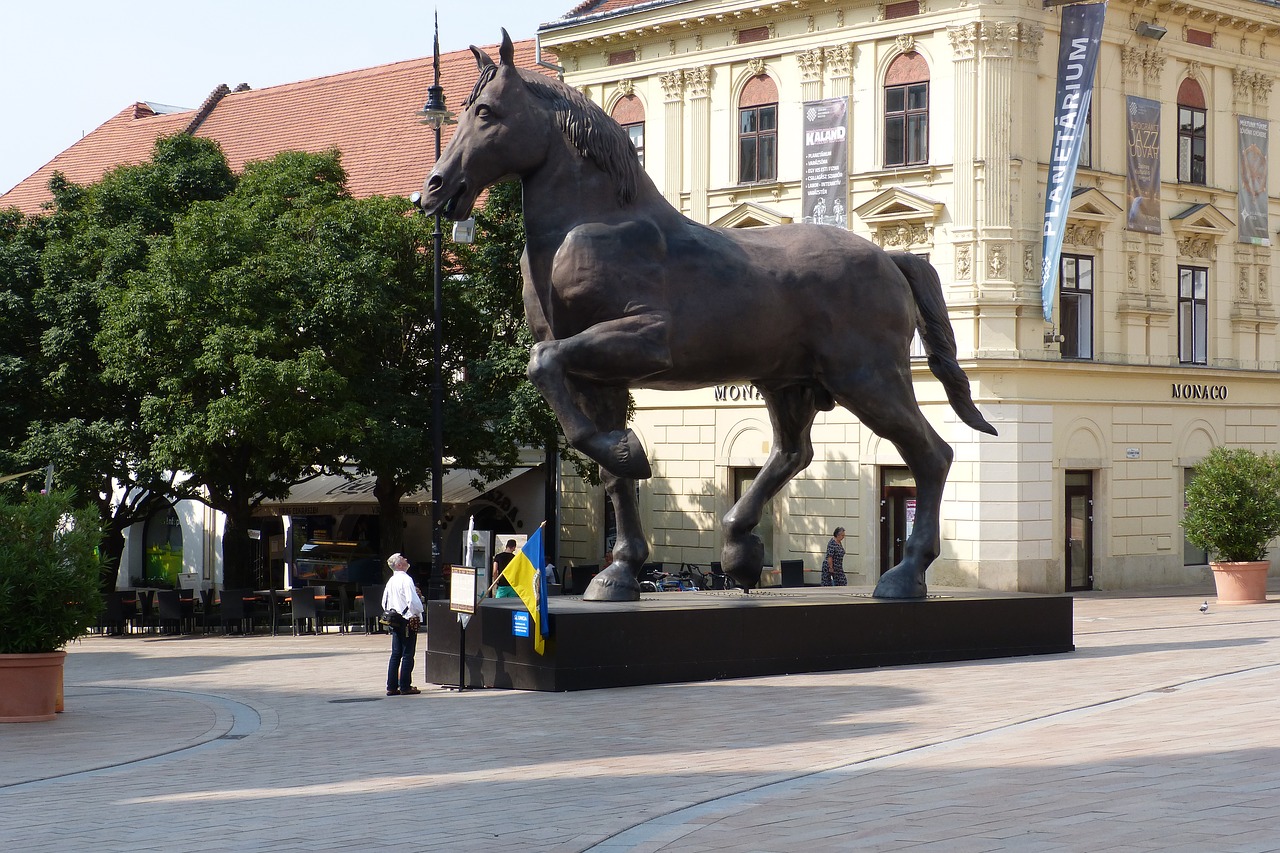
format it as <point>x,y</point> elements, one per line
<point>1156,734</point>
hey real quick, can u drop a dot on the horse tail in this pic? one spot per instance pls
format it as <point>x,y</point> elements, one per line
<point>939,338</point>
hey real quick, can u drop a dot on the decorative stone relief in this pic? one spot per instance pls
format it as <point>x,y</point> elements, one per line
<point>839,59</point>
<point>1195,246</point>
<point>1131,275</point>
<point>964,40</point>
<point>1153,280</point>
<point>698,81</point>
<point>963,262</point>
<point>904,234</point>
<point>1264,294</point>
<point>998,39</point>
<point>839,17</point>
<point>697,42</point>
<point>809,25</point>
<point>626,87</point>
<point>1244,282</point>
<point>1147,62</point>
<point>810,64</point>
<point>906,42</point>
<point>997,262</point>
<point>1079,234</point>
<point>671,46</point>
<point>755,66</point>
<point>1028,261</point>
<point>672,85</point>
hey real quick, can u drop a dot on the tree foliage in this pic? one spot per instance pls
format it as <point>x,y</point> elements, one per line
<point>1233,504</point>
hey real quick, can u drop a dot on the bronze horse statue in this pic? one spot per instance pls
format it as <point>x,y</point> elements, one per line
<point>622,291</point>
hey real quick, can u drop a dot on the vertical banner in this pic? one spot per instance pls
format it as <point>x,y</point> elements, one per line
<point>1077,59</point>
<point>1253,181</point>
<point>825,186</point>
<point>1142,185</point>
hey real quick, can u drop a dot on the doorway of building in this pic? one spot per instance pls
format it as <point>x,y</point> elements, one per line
<point>1079,530</point>
<point>897,514</point>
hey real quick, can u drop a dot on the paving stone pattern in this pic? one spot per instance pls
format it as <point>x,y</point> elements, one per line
<point>1158,734</point>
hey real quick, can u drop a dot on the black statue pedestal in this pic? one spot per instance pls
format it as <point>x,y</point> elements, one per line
<point>697,636</point>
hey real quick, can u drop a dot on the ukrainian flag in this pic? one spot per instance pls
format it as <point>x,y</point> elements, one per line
<point>526,577</point>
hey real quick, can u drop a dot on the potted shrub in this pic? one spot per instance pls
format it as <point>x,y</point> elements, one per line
<point>48,596</point>
<point>1233,512</point>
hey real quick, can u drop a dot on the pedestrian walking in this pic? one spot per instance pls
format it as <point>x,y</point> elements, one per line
<point>833,563</point>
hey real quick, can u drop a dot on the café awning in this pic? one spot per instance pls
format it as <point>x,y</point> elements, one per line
<point>332,494</point>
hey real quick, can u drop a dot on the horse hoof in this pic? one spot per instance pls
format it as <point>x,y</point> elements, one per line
<point>616,583</point>
<point>743,561</point>
<point>901,582</point>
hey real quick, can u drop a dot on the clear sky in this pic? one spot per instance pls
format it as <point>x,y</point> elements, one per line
<point>66,66</point>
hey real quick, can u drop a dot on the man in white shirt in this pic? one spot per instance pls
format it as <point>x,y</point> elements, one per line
<point>401,596</point>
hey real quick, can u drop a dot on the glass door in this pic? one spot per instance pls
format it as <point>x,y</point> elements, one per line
<point>1079,530</point>
<point>897,514</point>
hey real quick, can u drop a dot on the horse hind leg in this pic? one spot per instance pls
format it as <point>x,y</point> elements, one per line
<point>890,410</point>
<point>791,412</point>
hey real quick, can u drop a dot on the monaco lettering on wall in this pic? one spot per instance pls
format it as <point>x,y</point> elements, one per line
<point>738,394</point>
<point>1194,391</point>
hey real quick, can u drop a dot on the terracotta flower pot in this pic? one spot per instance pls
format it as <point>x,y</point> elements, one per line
<point>29,687</point>
<point>1241,583</point>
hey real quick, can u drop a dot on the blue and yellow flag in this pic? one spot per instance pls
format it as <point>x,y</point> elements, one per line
<point>525,574</point>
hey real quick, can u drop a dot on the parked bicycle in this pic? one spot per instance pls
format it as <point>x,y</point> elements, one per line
<point>654,579</point>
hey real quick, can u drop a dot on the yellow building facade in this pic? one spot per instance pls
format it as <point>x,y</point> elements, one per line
<point>1163,343</point>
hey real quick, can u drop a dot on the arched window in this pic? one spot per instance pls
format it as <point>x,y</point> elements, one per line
<point>1192,139</point>
<point>758,131</point>
<point>629,113</point>
<point>906,111</point>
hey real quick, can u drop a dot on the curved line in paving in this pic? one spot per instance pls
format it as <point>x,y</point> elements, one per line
<point>666,828</point>
<point>245,720</point>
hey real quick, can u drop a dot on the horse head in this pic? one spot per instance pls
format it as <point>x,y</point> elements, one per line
<point>501,133</point>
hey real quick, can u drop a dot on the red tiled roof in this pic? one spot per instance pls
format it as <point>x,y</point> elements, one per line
<point>125,138</point>
<point>369,115</point>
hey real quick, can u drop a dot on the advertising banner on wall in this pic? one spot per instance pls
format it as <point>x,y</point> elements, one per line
<point>1253,181</point>
<point>825,186</point>
<point>1142,185</point>
<point>1077,59</point>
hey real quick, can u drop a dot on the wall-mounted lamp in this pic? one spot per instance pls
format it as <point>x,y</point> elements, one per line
<point>1053,336</point>
<point>1150,30</point>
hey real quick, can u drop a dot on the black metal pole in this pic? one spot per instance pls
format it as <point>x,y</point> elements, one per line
<point>437,407</point>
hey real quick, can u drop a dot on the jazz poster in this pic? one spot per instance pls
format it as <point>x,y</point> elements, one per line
<point>1142,183</point>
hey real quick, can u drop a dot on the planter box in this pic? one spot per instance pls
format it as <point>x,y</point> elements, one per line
<point>30,686</point>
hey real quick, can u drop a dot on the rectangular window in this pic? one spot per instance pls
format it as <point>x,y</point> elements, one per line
<point>1075,283</point>
<point>636,133</point>
<point>757,143</point>
<point>1193,315</point>
<point>1191,555</point>
<point>906,124</point>
<point>1192,145</point>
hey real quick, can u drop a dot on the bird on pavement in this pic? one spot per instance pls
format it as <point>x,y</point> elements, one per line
<point>1204,608</point>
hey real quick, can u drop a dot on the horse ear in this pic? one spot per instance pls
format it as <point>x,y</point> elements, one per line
<point>507,53</point>
<point>482,58</point>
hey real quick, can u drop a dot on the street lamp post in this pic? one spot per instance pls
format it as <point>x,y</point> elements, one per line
<point>437,115</point>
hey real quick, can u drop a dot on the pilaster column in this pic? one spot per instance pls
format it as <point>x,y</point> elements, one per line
<point>697,82</point>
<point>673,136</point>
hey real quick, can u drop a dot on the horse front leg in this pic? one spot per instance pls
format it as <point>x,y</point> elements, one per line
<point>791,411</point>
<point>610,354</point>
<point>607,409</point>
<point>620,581</point>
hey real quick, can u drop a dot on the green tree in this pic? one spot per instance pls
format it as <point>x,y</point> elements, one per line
<point>20,241</point>
<point>84,422</point>
<point>223,338</point>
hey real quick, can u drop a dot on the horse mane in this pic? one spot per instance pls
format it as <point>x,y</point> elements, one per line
<point>589,129</point>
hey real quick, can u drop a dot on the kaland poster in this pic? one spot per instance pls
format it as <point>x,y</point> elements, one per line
<point>1077,60</point>
<point>825,186</point>
<point>1253,181</point>
<point>1142,185</point>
